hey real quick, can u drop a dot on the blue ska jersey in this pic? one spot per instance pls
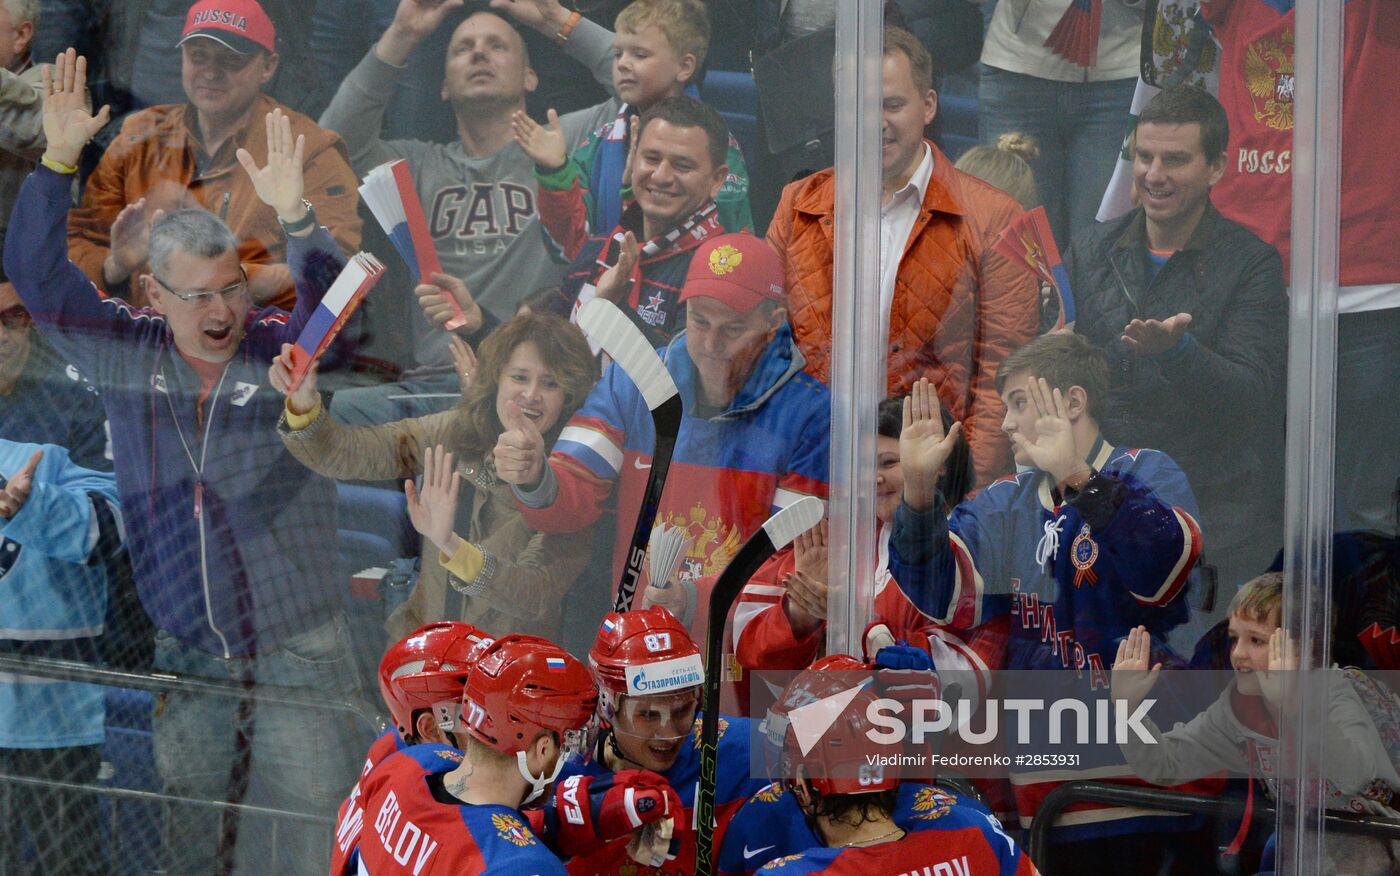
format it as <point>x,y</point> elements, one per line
<point>733,785</point>
<point>947,834</point>
<point>1074,577</point>
<point>408,831</point>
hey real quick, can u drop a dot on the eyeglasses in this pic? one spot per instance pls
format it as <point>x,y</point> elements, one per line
<point>15,318</point>
<point>205,297</point>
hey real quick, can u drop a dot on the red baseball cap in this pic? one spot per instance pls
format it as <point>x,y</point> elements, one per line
<point>737,270</point>
<point>241,25</point>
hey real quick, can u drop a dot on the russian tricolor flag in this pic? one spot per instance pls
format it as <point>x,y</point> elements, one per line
<point>389,192</point>
<point>358,276</point>
<point>555,664</point>
<point>608,625</point>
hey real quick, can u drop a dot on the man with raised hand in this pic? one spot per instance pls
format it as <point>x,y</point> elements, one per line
<point>478,191</point>
<point>185,155</point>
<point>232,541</point>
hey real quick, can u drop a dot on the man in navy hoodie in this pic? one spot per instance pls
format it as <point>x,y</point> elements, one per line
<point>233,544</point>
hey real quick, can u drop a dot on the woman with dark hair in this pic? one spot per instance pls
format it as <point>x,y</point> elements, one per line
<point>780,621</point>
<point>501,575</point>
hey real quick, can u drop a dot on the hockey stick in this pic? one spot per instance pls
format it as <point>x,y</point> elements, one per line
<point>774,535</point>
<point>610,328</point>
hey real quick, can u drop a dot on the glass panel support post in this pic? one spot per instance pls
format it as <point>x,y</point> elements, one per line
<point>857,360</point>
<point>1310,428</point>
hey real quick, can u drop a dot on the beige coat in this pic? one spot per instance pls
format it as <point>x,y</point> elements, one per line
<point>533,571</point>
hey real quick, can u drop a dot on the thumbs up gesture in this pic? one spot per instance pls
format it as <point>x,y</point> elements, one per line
<point>519,451</point>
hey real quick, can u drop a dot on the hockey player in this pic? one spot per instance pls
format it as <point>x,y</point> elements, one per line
<point>421,678</point>
<point>863,820</point>
<point>1085,543</point>
<point>649,676</point>
<point>431,809</point>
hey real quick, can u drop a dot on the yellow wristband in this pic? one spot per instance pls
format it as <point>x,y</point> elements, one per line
<point>57,166</point>
<point>296,422</point>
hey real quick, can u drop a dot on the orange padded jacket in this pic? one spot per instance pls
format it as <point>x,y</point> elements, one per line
<point>959,308</point>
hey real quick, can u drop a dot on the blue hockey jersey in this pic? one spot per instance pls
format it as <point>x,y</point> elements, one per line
<point>1074,575</point>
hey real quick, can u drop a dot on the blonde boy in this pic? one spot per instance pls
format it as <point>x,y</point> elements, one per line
<point>1239,732</point>
<point>659,49</point>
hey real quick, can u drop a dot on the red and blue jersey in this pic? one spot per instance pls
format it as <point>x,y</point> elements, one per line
<point>350,818</point>
<point>412,827</point>
<point>734,785</point>
<point>729,472</point>
<point>771,830</point>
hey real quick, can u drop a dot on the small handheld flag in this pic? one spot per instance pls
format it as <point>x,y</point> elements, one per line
<point>1076,36</point>
<point>1027,243</point>
<point>358,276</point>
<point>389,192</point>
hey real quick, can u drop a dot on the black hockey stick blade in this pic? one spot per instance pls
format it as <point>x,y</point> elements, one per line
<point>610,328</point>
<point>774,535</point>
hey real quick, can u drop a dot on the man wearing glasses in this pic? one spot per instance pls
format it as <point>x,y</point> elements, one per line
<point>183,155</point>
<point>232,543</point>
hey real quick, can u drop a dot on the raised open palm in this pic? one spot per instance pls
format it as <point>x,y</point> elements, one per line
<point>69,122</point>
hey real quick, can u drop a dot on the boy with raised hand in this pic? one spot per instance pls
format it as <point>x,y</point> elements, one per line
<point>1085,543</point>
<point>658,51</point>
<point>1239,732</point>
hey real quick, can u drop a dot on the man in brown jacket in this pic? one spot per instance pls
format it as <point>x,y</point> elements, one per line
<point>184,155</point>
<point>954,307</point>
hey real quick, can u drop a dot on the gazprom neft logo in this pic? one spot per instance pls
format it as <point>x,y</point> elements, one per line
<point>665,676</point>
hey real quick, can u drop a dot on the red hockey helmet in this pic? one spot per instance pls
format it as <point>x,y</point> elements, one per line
<point>522,685</point>
<point>638,653</point>
<point>844,758</point>
<point>426,670</point>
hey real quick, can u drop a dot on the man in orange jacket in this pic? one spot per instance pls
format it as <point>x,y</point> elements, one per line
<point>184,155</point>
<point>954,307</point>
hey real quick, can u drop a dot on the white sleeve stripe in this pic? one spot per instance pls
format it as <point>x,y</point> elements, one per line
<point>958,545</point>
<point>784,497</point>
<point>764,590</point>
<point>1173,581</point>
<point>595,441</point>
<point>629,801</point>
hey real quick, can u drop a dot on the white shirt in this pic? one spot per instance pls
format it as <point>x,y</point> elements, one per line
<point>897,218</point>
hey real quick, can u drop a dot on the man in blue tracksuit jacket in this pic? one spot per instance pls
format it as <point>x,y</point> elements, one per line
<point>232,541</point>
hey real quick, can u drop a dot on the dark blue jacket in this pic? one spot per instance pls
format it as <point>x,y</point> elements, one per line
<point>254,562</point>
